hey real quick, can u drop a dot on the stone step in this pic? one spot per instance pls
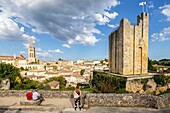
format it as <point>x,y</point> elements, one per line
<point>35,108</point>
<point>72,110</point>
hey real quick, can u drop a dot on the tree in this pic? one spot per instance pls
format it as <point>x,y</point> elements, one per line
<point>10,72</point>
<point>82,72</point>
<point>60,79</point>
<point>26,83</point>
<point>101,62</point>
<point>106,59</point>
<point>55,67</point>
<point>150,65</point>
<point>22,69</point>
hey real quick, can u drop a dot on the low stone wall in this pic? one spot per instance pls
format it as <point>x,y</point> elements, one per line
<point>46,94</point>
<point>109,100</point>
<point>128,100</point>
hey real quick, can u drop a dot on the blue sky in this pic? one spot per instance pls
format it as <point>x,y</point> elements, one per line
<point>77,29</point>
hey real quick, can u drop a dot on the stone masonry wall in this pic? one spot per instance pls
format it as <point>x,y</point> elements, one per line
<point>109,100</point>
<point>46,94</point>
<point>128,100</point>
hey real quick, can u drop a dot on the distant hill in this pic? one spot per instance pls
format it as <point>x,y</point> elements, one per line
<point>164,60</point>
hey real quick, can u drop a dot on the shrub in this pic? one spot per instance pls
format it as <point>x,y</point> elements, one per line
<point>161,79</point>
<point>62,81</point>
<point>107,84</point>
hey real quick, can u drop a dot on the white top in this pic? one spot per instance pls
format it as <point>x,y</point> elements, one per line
<point>35,95</point>
<point>76,95</point>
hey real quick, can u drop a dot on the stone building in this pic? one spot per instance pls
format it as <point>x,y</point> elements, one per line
<point>128,47</point>
<point>31,52</point>
<point>16,61</point>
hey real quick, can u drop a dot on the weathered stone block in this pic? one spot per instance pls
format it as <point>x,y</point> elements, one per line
<point>5,84</point>
<point>30,102</point>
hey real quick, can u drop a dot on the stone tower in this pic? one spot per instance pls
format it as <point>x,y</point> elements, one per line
<point>128,47</point>
<point>31,52</point>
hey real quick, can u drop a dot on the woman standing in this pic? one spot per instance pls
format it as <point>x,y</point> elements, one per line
<point>77,96</point>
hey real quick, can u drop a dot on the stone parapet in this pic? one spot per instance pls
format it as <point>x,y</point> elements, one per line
<point>46,94</point>
<point>128,100</point>
<point>105,99</point>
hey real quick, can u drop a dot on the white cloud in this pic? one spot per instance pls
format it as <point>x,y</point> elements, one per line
<point>22,29</point>
<point>38,49</point>
<point>26,45</point>
<point>8,28</point>
<point>43,54</point>
<point>166,11</point>
<point>162,36</point>
<point>111,15</point>
<point>102,20</point>
<point>22,52</point>
<point>55,51</point>
<point>151,5</point>
<point>66,45</point>
<point>28,37</point>
<point>63,19</point>
<point>38,31</point>
<point>113,26</point>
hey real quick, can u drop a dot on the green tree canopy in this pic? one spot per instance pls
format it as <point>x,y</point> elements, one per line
<point>82,72</point>
<point>150,65</point>
<point>10,72</point>
<point>60,79</point>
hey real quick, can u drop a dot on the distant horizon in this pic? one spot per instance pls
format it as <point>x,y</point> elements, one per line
<point>77,59</point>
<point>78,30</point>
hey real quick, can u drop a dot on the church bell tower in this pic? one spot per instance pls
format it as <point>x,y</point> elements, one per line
<point>31,52</point>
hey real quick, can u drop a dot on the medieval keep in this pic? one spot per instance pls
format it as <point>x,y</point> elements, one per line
<point>128,47</point>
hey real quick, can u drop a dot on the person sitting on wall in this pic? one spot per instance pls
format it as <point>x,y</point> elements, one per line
<point>36,96</point>
<point>29,95</point>
<point>77,95</point>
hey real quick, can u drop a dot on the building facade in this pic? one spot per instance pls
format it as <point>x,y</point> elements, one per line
<point>128,47</point>
<point>17,61</point>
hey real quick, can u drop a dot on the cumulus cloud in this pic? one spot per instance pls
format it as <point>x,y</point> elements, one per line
<point>102,20</point>
<point>38,49</point>
<point>22,52</point>
<point>9,29</point>
<point>62,19</point>
<point>55,51</point>
<point>113,26</point>
<point>162,36</point>
<point>26,45</point>
<point>28,37</point>
<point>43,54</point>
<point>166,11</point>
<point>165,33</point>
<point>66,45</point>
<point>22,29</point>
<point>111,15</point>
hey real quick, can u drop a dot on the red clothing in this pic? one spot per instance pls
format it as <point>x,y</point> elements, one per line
<point>29,95</point>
